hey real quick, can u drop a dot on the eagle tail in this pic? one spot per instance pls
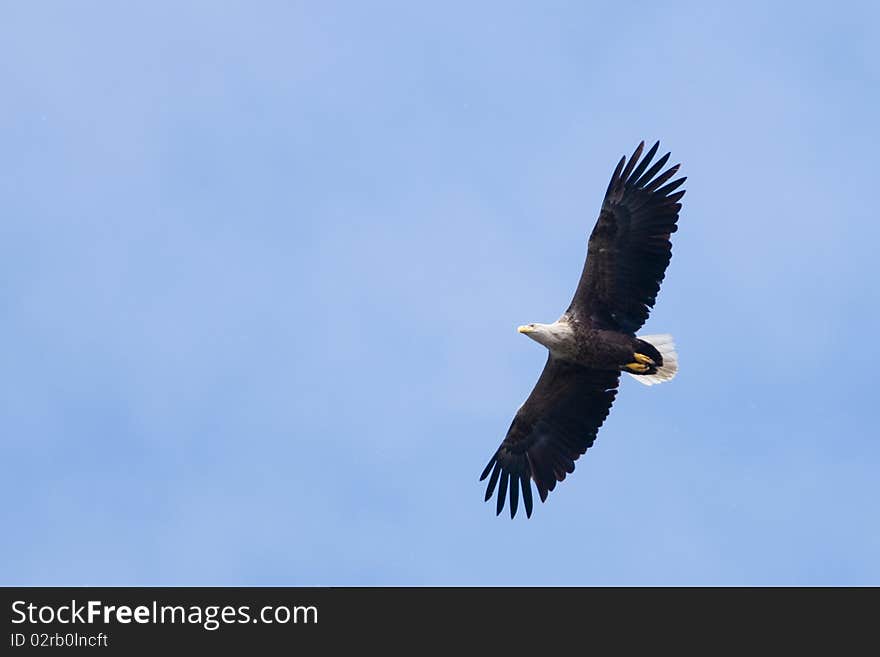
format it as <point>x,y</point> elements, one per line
<point>666,346</point>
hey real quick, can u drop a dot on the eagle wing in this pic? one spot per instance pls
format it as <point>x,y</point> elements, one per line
<point>629,247</point>
<point>555,425</point>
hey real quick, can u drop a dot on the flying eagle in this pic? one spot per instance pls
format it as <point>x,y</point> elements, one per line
<point>595,339</point>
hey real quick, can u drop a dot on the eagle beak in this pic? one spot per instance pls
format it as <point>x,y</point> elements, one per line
<point>524,329</point>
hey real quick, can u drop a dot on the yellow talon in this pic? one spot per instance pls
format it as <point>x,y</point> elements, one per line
<point>637,368</point>
<point>641,358</point>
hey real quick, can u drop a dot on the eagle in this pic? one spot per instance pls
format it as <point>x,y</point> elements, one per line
<point>595,338</point>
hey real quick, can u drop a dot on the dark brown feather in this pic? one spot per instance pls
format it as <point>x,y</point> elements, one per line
<point>557,423</point>
<point>502,490</point>
<point>526,485</point>
<point>629,248</point>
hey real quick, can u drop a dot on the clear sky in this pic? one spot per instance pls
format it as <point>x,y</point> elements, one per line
<point>261,266</point>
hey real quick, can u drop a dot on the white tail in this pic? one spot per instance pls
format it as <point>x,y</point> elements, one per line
<point>666,346</point>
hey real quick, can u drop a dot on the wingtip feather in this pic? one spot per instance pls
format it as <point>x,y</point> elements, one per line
<point>488,468</point>
<point>502,493</point>
<point>632,161</point>
<point>646,160</point>
<point>493,481</point>
<point>526,484</point>
<point>514,496</point>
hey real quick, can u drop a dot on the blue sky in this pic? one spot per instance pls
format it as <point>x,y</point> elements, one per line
<point>261,267</point>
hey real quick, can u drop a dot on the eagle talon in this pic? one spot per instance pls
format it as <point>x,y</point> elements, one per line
<point>641,358</point>
<point>637,368</point>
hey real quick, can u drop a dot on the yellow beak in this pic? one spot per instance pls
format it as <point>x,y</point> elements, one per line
<point>525,329</point>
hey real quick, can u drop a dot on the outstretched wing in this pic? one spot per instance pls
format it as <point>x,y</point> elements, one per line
<point>555,425</point>
<point>629,247</point>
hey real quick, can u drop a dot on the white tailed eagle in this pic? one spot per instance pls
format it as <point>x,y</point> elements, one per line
<point>595,339</point>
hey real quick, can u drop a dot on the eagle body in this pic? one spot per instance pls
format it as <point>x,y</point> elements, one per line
<point>571,340</point>
<point>595,338</point>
